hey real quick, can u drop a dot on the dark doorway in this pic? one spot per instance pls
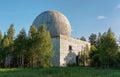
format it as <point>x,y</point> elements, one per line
<point>77,60</point>
<point>70,47</point>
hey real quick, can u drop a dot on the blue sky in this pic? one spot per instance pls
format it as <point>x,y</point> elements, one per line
<point>85,16</point>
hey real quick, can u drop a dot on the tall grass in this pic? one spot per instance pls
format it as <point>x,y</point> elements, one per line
<point>60,72</point>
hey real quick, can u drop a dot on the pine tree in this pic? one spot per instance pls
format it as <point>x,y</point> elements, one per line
<point>21,47</point>
<point>10,33</point>
<point>32,45</point>
<point>0,48</point>
<point>10,36</point>
<point>40,49</point>
<point>107,49</point>
<point>0,41</point>
<point>93,39</point>
<point>0,36</point>
<point>83,38</point>
<point>5,49</point>
<point>45,46</point>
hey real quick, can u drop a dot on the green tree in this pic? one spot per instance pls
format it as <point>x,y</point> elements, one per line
<point>41,46</point>
<point>105,53</point>
<point>0,37</point>
<point>83,38</point>
<point>10,34</point>
<point>84,56</point>
<point>94,57</point>
<point>0,47</point>
<point>32,53</point>
<point>93,39</point>
<point>21,47</point>
<point>9,55</point>
<point>4,49</point>
<point>98,40</point>
<point>32,32</point>
<point>0,41</point>
<point>45,46</point>
<point>108,48</point>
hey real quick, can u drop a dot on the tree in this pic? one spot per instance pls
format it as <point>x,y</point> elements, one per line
<point>10,33</point>
<point>106,50</point>
<point>32,32</point>
<point>21,47</point>
<point>40,46</point>
<point>93,39</point>
<point>94,57</point>
<point>98,40</point>
<point>0,41</point>
<point>0,36</point>
<point>0,47</point>
<point>83,38</point>
<point>10,36</point>
<point>4,49</point>
<point>32,45</point>
<point>83,57</point>
<point>45,46</point>
<point>26,51</point>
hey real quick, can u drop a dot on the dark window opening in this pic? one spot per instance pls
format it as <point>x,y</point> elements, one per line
<point>77,60</point>
<point>70,47</point>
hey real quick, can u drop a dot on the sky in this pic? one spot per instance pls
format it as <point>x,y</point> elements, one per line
<point>85,16</point>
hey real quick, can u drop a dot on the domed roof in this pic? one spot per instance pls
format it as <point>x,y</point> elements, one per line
<point>56,23</point>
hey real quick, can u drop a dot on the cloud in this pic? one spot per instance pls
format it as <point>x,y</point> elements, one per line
<point>101,17</point>
<point>118,6</point>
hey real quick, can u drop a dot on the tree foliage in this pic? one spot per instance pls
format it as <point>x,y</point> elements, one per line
<point>93,39</point>
<point>105,53</point>
<point>32,50</point>
<point>83,38</point>
<point>83,56</point>
<point>45,46</point>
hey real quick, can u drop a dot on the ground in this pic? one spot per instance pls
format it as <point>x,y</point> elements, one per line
<point>60,72</point>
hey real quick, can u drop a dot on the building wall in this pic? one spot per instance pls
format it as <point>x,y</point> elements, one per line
<point>62,52</point>
<point>69,55</point>
<point>56,49</point>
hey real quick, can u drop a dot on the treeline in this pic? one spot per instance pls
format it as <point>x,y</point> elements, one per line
<point>104,51</point>
<point>26,50</point>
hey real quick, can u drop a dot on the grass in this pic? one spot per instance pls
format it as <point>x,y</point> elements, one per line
<point>60,72</point>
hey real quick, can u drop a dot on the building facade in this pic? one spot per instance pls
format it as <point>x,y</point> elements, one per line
<point>65,47</point>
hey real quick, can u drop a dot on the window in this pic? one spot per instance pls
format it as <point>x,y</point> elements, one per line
<point>70,47</point>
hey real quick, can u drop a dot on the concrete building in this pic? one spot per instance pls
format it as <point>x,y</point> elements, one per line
<point>66,48</point>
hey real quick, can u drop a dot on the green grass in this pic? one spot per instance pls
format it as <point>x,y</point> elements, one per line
<point>60,72</point>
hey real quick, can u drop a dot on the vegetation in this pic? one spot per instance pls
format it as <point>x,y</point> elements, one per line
<point>104,52</point>
<point>60,72</point>
<point>32,50</point>
<point>83,38</point>
<point>35,49</point>
<point>93,39</point>
<point>83,57</point>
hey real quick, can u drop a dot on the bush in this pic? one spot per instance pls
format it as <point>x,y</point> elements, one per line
<point>71,64</point>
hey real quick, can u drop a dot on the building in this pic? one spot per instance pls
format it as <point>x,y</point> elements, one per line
<point>66,48</point>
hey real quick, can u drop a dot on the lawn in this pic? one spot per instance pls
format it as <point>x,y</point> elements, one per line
<point>60,72</point>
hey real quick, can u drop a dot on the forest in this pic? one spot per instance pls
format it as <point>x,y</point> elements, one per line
<point>26,50</point>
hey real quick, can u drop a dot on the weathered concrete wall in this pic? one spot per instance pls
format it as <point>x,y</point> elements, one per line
<point>67,55</point>
<point>62,53</point>
<point>56,48</point>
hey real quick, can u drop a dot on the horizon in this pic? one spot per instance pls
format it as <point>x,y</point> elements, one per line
<point>85,16</point>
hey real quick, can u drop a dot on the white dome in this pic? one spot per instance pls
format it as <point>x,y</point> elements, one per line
<point>56,23</point>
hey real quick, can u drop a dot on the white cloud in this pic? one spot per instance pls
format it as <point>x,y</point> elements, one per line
<point>101,17</point>
<point>118,6</point>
